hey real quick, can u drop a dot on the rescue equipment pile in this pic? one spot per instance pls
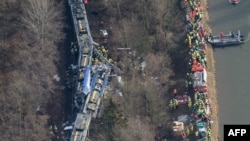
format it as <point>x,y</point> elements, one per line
<point>198,122</point>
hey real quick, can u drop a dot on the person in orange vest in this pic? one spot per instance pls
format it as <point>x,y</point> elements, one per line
<point>175,91</point>
<point>200,6</point>
<point>195,62</point>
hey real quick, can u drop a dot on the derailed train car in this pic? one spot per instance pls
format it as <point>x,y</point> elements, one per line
<point>81,127</point>
<point>85,50</point>
<point>91,82</point>
<point>98,83</point>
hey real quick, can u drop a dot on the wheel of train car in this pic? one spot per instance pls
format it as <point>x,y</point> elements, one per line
<point>241,36</point>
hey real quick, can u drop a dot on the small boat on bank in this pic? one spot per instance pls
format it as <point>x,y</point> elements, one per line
<point>226,40</point>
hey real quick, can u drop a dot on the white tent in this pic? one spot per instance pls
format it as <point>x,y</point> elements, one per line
<point>200,78</point>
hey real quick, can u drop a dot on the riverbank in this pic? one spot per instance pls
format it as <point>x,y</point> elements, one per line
<point>211,71</point>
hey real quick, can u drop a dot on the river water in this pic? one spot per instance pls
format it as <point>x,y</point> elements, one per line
<point>232,63</point>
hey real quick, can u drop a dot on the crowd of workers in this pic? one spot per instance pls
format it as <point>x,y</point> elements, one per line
<point>201,110</point>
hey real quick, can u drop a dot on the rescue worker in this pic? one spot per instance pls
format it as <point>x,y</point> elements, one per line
<point>191,128</point>
<point>51,131</point>
<point>208,129</point>
<point>104,53</point>
<point>175,92</point>
<point>232,35</point>
<point>176,103</point>
<point>186,40</point>
<point>72,51</point>
<point>191,3</point>
<point>196,133</point>
<point>75,49</point>
<point>189,102</point>
<point>67,73</point>
<point>198,95</point>
<point>197,36</point>
<point>197,42</point>
<point>208,134</point>
<point>195,105</point>
<point>98,48</point>
<point>54,129</point>
<point>211,36</point>
<point>195,96</point>
<point>189,64</point>
<point>187,131</point>
<point>201,15</point>
<point>96,61</point>
<point>171,104</point>
<point>110,60</point>
<point>190,27</point>
<point>190,85</point>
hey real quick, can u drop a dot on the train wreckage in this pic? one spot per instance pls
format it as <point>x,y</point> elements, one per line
<point>92,78</point>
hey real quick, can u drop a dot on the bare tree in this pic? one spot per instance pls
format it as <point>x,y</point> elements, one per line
<point>137,129</point>
<point>43,20</point>
<point>24,82</point>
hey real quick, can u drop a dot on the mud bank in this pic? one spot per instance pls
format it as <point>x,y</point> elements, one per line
<point>211,79</point>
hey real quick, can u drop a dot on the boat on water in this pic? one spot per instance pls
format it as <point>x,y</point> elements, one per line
<point>234,1</point>
<point>226,39</point>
